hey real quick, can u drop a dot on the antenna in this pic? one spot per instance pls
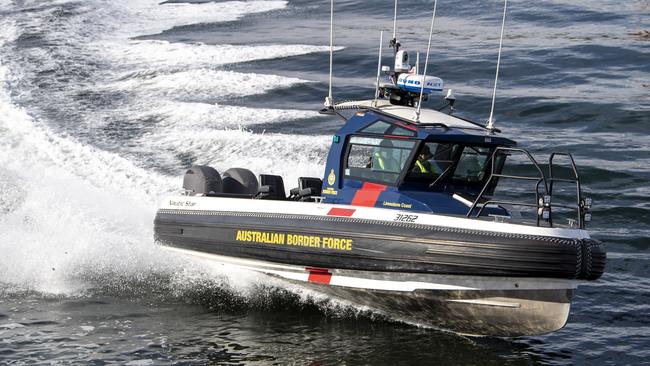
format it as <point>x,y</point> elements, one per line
<point>329,101</point>
<point>381,41</point>
<point>417,62</point>
<point>395,22</point>
<point>426,63</point>
<point>490,122</point>
<point>393,42</point>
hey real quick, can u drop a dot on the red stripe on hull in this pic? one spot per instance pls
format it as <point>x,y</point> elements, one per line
<point>368,194</point>
<point>346,212</point>
<point>319,275</point>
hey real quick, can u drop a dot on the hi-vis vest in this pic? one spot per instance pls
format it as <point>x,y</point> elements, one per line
<point>379,160</point>
<point>421,166</point>
<point>428,167</point>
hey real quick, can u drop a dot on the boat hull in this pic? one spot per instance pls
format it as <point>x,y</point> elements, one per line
<point>505,313</point>
<point>348,242</point>
<point>468,276</point>
<point>469,305</point>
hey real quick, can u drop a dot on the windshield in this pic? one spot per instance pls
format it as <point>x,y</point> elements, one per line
<point>455,163</point>
<point>472,164</point>
<point>378,159</point>
<point>433,159</point>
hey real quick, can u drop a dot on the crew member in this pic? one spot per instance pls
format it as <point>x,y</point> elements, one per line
<point>424,164</point>
<point>381,159</point>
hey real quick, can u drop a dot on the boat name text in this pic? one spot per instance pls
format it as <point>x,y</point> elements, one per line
<point>397,204</point>
<point>182,203</point>
<point>312,241</point>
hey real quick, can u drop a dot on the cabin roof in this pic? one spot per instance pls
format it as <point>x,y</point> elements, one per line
<point>406,113</point>
<point>433,125</point>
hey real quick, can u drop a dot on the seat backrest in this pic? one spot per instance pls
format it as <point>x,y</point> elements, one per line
<point>276,185</point>
<point>316,185</point>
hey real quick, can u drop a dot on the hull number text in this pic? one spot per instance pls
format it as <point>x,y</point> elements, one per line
<point>405,218</point>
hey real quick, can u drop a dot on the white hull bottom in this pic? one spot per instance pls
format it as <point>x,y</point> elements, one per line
<point>470,305</point>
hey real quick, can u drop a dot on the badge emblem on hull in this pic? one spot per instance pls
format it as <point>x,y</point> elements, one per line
<point>331,178</point>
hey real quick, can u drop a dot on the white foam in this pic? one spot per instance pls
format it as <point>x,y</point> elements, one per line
<point>189,116</point>
<point>68,235</point>
<point>84,214</point>
<point>149,17</point>
<point>290,156</point>
<point>11,194</point>
<point>8,32</point>
<point>26,143</point>
<point>154,54</point>
<point>123,19</point>
<point>202,84</point>
<point>77,215</point>
<point>33,3</point>
<point>81,210</point>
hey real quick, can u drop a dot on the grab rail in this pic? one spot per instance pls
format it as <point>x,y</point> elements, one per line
<point>543,201</point>
<point>493,174</point>
<point>583,204</point>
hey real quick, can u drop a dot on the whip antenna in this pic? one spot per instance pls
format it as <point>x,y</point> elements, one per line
<point>393,42</point>
<point>381,41</point>
<point>490,122</point>
<point>426,63</point>
<point>329,101</point>
<point>395,21</point>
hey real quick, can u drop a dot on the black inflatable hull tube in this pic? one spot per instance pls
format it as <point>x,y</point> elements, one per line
<point>409,252</point>
<point>390,247</point>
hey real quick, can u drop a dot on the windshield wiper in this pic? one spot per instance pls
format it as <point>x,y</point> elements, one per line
<point>433,184</point>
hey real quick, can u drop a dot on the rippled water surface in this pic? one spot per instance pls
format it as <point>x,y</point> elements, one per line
<point>103,103</point>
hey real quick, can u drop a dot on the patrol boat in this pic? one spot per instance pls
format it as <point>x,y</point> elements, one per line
<point>407,219</point>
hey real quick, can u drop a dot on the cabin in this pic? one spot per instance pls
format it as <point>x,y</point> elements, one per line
<point>382,158</point>
<point>385,157</point>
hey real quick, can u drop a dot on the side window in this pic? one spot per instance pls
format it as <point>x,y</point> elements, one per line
<point>385,128</point>
<point>379,127</point>
<point>378,159</point>
<point>399,131</point>
<point>472,164</point>
<point>360,156</point>
<point>448,161</point>
<point>433,159</point>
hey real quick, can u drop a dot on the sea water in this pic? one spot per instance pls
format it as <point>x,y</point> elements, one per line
<point>103,104</point>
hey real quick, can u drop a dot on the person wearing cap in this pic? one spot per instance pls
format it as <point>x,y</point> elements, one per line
<point>424,165</point>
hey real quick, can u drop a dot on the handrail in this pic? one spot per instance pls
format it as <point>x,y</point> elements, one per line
<point>579,208</point>
<point>493,174</point>
<point>543,201</point>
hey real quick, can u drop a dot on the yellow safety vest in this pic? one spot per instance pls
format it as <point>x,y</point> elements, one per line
<point>433,168</point>
<point>421,166</point>
<point>379,160</point>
